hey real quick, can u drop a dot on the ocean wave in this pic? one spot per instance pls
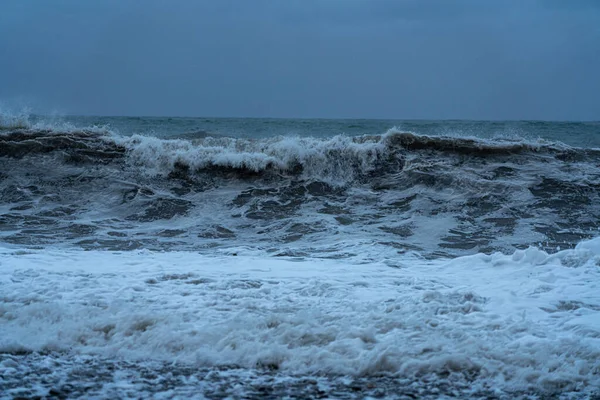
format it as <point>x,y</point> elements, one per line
<point>77,144</point>
<point>338,159</point>
<point>402,191</point>
<point>335,159</point>
<point>25,120</point>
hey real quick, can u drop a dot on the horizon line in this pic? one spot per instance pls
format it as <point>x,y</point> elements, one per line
<point>318,118</point>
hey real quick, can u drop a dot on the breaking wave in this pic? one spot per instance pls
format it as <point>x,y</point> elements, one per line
<point>412,190</point>
<point>338,159</point>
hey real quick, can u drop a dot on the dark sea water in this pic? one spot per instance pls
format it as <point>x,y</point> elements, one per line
<point>461,212</point>
<point>443,188</point>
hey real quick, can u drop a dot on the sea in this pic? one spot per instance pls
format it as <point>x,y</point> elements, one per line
<point>247,258</point>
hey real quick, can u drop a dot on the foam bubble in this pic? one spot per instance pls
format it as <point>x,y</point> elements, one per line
<point>527,321</point>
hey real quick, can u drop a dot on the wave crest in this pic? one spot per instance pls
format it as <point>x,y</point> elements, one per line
<point>337,160</point>
<point>76,145</point>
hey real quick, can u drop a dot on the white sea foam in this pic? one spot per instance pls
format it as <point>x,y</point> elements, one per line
<point>528,321</point>
<point>334,159</point>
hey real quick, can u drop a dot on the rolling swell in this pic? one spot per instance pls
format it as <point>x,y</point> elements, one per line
<point>325,158</point>
<point>403,191</point>
<point>76,145</point>
<point>338,159</point>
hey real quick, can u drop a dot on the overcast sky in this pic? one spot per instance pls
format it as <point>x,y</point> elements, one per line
<point>438,59</point>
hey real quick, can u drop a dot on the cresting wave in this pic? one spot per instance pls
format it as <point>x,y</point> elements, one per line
<point>339,159</point>
<point>403,190</point>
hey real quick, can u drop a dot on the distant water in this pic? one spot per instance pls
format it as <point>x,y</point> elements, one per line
<point>453,256</point>
<point>579,134</point>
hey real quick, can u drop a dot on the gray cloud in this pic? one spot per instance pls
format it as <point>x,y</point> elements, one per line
<point>498,59</point>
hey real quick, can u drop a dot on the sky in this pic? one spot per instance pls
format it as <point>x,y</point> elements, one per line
<point>405,59</point>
